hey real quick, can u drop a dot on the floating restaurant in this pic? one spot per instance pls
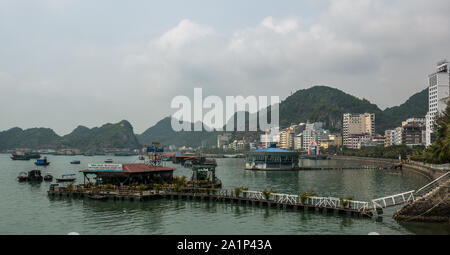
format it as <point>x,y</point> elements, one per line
<point>126,174</point>
<point>272,159</point>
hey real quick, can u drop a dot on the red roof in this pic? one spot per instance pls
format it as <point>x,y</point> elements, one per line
<point>140,168</point>
<point>134,168</point>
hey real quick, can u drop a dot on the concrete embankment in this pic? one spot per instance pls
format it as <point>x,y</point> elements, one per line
<point>375,161</point>
<point>433,206</point>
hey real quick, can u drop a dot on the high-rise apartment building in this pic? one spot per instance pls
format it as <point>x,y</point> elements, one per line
<point>357,125</point>
<point>438,89</point>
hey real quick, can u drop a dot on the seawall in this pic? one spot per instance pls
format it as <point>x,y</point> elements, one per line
<point>433,206</point>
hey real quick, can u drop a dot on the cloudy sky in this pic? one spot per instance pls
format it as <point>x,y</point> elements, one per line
<point>67,62</point>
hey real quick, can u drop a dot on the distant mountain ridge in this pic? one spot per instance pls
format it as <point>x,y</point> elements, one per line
<point>317,103</point>
<point>119,135</point>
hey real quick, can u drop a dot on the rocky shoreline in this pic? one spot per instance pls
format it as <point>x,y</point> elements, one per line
<point>432,207</point>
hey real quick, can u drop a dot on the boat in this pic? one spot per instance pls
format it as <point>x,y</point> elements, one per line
<point>48,177</point>
<point>33,175</point>
<point>33,155</point>
<point>108,161</point>
<point>66,178</point>
<point>42,162</point>
<point>16,156</point>
<point>75,162</point>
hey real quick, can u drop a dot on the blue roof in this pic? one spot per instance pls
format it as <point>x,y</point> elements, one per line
<point>272,150</point>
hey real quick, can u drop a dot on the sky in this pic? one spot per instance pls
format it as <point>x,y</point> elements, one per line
<point>65,63</point>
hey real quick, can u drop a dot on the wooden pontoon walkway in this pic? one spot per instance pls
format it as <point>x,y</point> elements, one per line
<point>254,198</point>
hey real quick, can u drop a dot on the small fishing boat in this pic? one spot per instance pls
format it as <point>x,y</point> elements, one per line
<point>48,177</point>
<point>75,162</point>
<point>66,178</point>
<point>108,161</point>
<point>33,175</point>
<point>42,162</point>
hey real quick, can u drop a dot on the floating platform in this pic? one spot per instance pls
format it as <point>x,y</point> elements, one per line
<point>206,195</point>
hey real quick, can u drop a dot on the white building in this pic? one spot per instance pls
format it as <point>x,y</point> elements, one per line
<point>438,89</point>
<point>397,135</point>
<point>271,136</point>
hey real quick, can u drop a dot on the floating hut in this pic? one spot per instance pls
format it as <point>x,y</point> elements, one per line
<point>272,159</point>
<point>126,174</point>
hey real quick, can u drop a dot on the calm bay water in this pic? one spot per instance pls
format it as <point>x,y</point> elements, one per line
<point>25,208</point>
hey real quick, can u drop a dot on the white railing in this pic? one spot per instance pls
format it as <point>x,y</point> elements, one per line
<point>285,198</point>
<point>393,200</point>
<point>359,205</point>
<point>253,194</point>
<point>433,182</point>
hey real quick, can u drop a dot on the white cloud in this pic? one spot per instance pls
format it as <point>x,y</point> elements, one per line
<point>364,47</point>
<point>379,50</point>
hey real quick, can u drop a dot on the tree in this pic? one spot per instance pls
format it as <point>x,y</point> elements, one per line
<point>440,149</point>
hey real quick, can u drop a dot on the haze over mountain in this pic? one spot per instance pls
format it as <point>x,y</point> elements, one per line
<point>318,103</point>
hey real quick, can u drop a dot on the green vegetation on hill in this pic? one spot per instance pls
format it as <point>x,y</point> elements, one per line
<point>321,103</point>
<point>29,138</point>
<point>162,132</point>
<point>318,103</point>
<point>415,106</point>
<point>119,135</point>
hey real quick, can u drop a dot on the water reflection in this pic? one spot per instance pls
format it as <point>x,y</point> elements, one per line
<point>26,208</point>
